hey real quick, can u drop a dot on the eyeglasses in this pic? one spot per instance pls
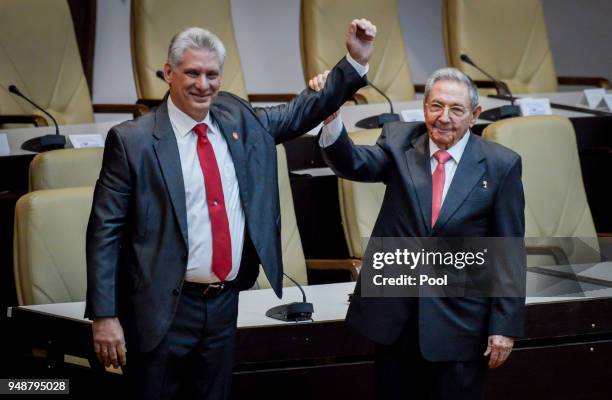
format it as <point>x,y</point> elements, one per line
<point>453,111</point>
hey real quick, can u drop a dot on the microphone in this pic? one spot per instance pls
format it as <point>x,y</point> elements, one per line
<point>296,311</point>
<point>502,89</point>
<point>378,121</point>
<point>160,74</point>
<point>41,143</point>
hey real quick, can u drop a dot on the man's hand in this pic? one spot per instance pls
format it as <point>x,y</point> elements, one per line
<point>499,347</point>
<point>360,40</point>
<point>317,84</point>
<point>109,342</point>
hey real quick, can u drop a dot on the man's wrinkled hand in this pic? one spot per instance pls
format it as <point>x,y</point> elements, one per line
<point>109,342</point>
<point>317,84</point>
<point>360,40</point>
<point>498,348</point>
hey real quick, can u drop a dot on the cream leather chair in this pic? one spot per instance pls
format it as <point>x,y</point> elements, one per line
<point>508,39</point>
<point>155,22</point>
<point>294,263</point>
<point>65,168</point>
<point>324,22</point>
<point>39,55</point>
<point>49,245</point>
<point>556,206</point>
<point>360,202</point>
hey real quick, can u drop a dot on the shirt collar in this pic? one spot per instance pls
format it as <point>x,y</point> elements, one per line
<point>456,150</point>
<point>183,123</point>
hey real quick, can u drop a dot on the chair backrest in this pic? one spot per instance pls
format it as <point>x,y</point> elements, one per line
<point>323,27</point>
<point>155,22</point>
<point>65,168</point>
<point>360,202</point>
<point>49,245</point>
<point>294,263</point>
<point>555,200</point>
<point>508,39</point>
<point>39,54</point>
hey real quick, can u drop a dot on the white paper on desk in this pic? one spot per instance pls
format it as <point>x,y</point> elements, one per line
<point>530,106</point>
<point>5,150</point>
<point>83,141</point>
<point>591,98</point>
<point>413,115</point>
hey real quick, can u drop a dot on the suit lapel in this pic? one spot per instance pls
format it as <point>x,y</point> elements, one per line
<point>417,158</point>
<point>468,174</point>
<point>235,141</point>
<point>166,150</point>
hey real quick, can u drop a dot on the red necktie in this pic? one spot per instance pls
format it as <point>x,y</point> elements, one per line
<point>219,223</point>
<point>437,184</point>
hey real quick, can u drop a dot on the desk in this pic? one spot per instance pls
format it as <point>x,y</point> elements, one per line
<point>567,347</point>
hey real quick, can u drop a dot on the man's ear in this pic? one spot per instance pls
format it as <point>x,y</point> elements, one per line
<point>475,115</point>
<point>167,72</point>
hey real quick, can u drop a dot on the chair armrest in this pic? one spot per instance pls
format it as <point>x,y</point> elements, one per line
<point>584,81</point>
<point>270,97</point>
<point>351,265</point>
<point>35,120</point>
<point>135,109</point>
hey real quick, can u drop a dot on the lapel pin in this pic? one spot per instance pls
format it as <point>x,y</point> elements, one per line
<point>235,135</point>
<point>484,184</point>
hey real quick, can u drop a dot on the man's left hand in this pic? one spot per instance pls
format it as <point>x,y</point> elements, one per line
<point>499,348</point>
<point>360,40</point>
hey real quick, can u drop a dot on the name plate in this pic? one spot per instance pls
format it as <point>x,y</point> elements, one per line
<point>84,141</point>
<point>530,106</point>
<point>591,98</point>
<point>415,115</point>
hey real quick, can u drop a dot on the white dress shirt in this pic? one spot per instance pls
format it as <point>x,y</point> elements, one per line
<point>199,263</point>
<point>332,131</point>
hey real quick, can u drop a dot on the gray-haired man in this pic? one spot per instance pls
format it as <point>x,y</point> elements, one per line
<point>441,181</point>
<point>184,211</point>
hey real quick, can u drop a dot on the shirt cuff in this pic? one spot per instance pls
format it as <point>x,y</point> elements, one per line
<point>331,132</point>
<point>361,69</point>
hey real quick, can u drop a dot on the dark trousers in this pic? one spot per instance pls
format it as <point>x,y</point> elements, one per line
<point>196,357</point>
<point>401,372</point>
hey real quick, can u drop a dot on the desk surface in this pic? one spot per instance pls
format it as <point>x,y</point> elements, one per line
<point>330,302</point>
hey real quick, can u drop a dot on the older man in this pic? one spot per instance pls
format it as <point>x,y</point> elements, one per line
<point>441,181</point>
<point>184,211</point>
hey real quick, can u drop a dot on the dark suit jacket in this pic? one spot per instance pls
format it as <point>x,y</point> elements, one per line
<point>137,244</point>
<point>451,328</point>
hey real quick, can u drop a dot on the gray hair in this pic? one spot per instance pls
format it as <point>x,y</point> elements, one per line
<point>194,38</point>
<point>453,74</point>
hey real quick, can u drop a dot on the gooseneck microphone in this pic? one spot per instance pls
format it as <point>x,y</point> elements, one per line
<point>41,143</point>
<point>160,74</point>
<point>503,90</point>
<point>378,121</point>
<point>296,311</point>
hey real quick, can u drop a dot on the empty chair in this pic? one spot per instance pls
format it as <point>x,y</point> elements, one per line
<point>65,168</point>
<point>389,67</point>
<point>49,245</point>
<point>509,40</point>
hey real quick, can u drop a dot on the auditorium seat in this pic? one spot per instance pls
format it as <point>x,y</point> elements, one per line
<point>559,227</point>
<point>321,20</point>
<point>39,55</point>
<point>49,245</point>
<point>509,40</point>
<point>65,168</point>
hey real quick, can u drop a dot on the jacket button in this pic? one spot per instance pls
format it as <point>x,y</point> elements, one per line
<point>176,292</point>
